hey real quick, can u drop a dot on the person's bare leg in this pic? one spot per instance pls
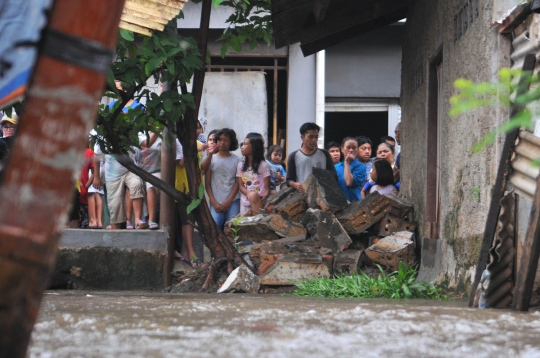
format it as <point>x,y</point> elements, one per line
<point>99,209</point>
<point>255,201</point>
<point>151,202</point>
<point>92,209</point>
<point>187,236</point>
<point>138,209</point>
<point>129,206</point>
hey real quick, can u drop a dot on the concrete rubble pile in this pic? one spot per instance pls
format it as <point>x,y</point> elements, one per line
<point>317,233</point>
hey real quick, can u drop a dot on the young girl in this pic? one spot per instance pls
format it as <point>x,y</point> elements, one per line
<point>220,177</point>
<point>383,179</point>
<point>351,173</point>
<point>253,175</point>
<point>95,203</point>
<point>278,174</point>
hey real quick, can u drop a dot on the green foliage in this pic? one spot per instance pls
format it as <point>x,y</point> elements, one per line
<point>165,56</point>
<point>234,228</point>
<point>196,202</point>
<point>250,22</point>
<point>476,193</point>
<point>396,285</point>
<point>472,96</point>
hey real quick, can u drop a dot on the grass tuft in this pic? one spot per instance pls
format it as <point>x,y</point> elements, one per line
<point>396,285</point>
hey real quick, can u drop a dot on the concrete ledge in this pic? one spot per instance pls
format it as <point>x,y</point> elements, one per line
<point>154,240</point>
<point>110,260</point>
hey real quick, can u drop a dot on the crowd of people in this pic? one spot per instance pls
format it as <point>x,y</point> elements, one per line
<point>234,185</point>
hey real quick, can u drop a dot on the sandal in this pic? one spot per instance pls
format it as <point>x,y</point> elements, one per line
<point>153,226</point>
<point>141,225</point>
<point>129,225</point>
<point>184,260</point>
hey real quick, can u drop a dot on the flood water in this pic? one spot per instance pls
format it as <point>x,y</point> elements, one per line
<point>120,324</point>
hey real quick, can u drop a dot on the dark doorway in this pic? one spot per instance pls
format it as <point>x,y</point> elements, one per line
<point>339,125</point>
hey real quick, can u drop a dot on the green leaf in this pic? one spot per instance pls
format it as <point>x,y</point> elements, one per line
<point>127,35</point>
<point>235,43</point>
<point>216,3</point>
<point>193,205</point>
<point>224,49</point>
<point>167,105</point>
<point>201,191</point>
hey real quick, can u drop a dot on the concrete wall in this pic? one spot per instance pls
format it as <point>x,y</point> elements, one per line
<point>301,101</point>
<point>366,66</point>
<point>477,55</point>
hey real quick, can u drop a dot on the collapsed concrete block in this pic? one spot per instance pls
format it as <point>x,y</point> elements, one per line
<point>292,206</point>
<point>269,251</point>
<point>392,250</point>
<point>391,224</point>
<point>347,261</point>
<point>361,215</point>
<point>322,191</point>
<point>323,226</point>
<point>291,269</point>
<point>241,280</point>
<point>265,227</point>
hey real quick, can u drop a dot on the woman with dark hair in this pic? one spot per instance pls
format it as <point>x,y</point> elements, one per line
<point>220,177</point>
<point>253,174</point>
<point>383,178</point>
<point>351,173</point>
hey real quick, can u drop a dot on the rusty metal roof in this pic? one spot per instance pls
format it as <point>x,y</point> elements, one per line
<point>145,16</point>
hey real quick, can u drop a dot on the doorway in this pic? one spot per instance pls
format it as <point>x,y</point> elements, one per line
<point>338,125</point>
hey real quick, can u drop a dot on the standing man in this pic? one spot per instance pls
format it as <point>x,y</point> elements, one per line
<point>301,162</point>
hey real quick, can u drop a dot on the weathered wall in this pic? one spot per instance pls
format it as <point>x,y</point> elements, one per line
<point>366,66</point>
<point>477,55</point>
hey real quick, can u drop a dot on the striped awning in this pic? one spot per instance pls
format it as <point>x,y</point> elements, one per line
<point>144,16</point>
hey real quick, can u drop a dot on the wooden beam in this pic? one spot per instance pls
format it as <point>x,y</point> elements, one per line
<point>516,17</point>
<point>350,14</point>
<point>319,9</point>
<point>500,185</point>
<point>289,23</point>
<point>311,47</point>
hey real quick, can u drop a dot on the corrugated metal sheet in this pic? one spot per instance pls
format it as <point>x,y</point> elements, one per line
<point>527,146</point>
<point>144,16</point>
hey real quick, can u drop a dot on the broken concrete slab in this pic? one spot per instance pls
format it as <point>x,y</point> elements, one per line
<point>241,280</point>
<point>347,262</point>
<point>324,227</point>
<point>291,206</point>
<point>110,260</point>
<point>323,191</point>
<point>392,250</point>
<point>391,224</point>
<point>265,227</point>
<point>361,215</point>
<point>270,251</point>
<point>289,270</point>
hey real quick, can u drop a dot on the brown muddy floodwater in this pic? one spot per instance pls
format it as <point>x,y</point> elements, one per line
<point>120,324</point>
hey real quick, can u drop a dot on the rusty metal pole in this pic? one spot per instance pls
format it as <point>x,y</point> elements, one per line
<point>75,54</point>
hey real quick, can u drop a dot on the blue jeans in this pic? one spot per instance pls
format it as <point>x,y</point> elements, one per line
<point>222,218</point>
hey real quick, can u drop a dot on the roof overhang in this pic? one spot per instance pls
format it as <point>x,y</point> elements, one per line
<point>319,24</point>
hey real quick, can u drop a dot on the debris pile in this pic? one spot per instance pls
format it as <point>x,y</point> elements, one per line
<point>317,233</point>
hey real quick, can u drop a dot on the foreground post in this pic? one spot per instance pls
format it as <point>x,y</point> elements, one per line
<point>75,55</point>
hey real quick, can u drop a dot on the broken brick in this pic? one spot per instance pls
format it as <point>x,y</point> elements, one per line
<point>290,269</point>
<point>292,207</point>
<point>241,280</point>
<point>391,224</point>
<point>323,191</point>
<point>392,250</point>
<point>347,261</point>
<point>324,227</point>
<point>265,227</point>
<point>361,215</point>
